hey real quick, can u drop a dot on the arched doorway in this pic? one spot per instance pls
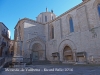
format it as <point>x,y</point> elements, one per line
<point>67,54</point>
<point>37,52</point>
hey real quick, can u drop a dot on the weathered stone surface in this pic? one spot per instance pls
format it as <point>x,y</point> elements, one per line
<point>85,37</point>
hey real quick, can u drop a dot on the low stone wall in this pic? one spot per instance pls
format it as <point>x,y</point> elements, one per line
<point>26,60</point>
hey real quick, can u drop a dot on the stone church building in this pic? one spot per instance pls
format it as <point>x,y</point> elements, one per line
<point>72,37</point>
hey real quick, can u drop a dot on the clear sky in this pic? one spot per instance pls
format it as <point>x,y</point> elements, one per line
<point>12,10</point>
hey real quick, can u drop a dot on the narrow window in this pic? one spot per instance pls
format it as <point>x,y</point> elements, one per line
<point>19,30</point>
<point>52,31</point>
<point>99,9</point>
<point>45,18</point>
<point>15,34</point>
<point>71,25</point>
<point>19,33</point>
<point>52,17</point>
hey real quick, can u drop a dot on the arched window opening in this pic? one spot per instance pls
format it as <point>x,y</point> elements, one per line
<point>45,18</point>
<point>52,32</point>
<point>19,32</point>
<point>71,25</point>
<point>99,9</point>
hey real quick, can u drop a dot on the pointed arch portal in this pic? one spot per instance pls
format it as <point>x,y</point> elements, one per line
<point>67,54</point>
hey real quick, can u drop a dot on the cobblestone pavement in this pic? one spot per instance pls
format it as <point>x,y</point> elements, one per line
<point>53,70</point>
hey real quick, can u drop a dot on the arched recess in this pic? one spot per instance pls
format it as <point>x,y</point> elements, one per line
<point>64,46</point>
<point>37,49</point>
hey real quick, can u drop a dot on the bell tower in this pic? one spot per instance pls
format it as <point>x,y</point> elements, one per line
<point>46,16</point>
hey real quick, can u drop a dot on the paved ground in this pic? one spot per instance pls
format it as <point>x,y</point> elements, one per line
<point>53,70</point>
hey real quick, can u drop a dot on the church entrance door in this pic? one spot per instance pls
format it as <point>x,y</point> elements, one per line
<point>67,54</point>
<point>35,55</point>
<point>37,52</point>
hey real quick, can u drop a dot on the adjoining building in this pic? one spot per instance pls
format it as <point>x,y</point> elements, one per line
<point>4,40</point>
<point>72,37</point>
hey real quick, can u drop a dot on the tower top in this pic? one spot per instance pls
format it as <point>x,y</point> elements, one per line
<point>52,11</point>
<point>46,9</point>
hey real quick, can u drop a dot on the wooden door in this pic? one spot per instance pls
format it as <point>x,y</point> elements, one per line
<point>35,56</point>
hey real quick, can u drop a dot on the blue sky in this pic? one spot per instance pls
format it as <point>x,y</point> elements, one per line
<point>12,10</point>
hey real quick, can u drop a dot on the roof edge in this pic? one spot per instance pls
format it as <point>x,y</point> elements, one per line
<point>23,19</point>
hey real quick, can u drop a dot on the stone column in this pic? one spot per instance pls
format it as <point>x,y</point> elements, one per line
<point>74,56</point>
<point>61,55</point>
<point>17,51</point>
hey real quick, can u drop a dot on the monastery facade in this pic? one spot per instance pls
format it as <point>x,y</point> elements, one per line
<point>72,37</point>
